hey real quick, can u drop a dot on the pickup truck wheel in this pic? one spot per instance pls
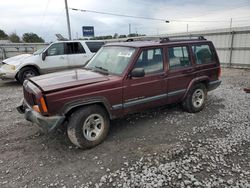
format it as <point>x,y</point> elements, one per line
<point>25,73</point>
<point>195,100</point>
<point>88,126</point>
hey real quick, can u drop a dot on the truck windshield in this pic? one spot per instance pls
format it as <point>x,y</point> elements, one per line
<point>38,51</point>
<point>111,59</point>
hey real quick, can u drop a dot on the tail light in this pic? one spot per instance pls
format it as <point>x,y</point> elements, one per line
<point>219,72</point>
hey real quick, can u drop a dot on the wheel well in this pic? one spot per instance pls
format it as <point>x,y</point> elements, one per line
<point>31,66</point>
<point>72,110</point>
<point>205,82</point>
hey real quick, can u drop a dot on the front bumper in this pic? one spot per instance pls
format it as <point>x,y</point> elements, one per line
<point>4,75</point>
<point>46,124</point>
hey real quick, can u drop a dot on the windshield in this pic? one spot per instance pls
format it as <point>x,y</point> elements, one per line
<point>111,59</point>
<point>38,51</point>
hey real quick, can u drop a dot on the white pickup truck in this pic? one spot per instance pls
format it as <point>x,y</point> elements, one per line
<point>57,56</point>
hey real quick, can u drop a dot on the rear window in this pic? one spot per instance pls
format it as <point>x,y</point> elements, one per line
<point>94,46</point>
<point>203,54</point>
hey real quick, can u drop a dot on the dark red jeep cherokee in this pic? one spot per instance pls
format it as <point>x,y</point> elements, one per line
<point>122,78</point>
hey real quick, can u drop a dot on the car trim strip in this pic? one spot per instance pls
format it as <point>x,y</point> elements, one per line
<point>177,92</point>
<point>117,106</point>
<point>148,99</point>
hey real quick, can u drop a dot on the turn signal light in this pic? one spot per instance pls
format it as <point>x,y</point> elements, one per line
<point>43,105</point>
<point>36,108</point>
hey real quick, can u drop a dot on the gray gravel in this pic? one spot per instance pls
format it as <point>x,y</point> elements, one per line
<point>163,147</point>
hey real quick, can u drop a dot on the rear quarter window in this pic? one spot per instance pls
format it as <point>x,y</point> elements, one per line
<point>203,54</point>
<point>94,46</point>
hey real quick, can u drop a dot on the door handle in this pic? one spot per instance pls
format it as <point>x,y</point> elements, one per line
<point>189,71</point>
<point>163,75</point>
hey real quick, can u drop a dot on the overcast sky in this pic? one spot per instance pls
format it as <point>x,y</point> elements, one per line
<point>47,17</point>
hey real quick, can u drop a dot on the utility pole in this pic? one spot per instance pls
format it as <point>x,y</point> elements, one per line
<point>187,28</point>
<point>129,28</point>
<point>231,24</point>
<point>67,16</point>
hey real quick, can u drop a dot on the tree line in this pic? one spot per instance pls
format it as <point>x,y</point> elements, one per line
<point>115,36</point>
<point>26,37</point>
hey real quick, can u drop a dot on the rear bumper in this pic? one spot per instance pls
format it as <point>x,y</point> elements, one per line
<point>46,124</point>
<point>213,85</point>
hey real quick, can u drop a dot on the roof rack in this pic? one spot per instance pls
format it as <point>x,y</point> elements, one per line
<point>181,38</point>
<point>129,40</point>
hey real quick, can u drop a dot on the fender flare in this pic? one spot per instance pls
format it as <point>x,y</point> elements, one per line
<point>203,79</point>
<point>68,108</point>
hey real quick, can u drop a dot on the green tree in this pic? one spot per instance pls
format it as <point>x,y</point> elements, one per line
<point>3,35</point>
<point>122,36</point>
<point>31,38</point>
<point>14,37</point>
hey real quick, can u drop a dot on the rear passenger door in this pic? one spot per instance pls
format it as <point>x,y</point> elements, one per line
<point>180,71</point>
<point>77,55</point>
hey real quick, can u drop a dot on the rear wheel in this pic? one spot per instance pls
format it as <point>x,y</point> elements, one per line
<point>195,100</point>
<point>26,73</point>
<point>88,126</point>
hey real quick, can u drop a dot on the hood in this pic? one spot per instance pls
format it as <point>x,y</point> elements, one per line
<point>17,60</point>
<point>67,79</point>
<point>14,59</point>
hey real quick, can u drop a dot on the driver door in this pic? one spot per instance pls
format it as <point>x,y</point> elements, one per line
<point>145,92</point>
<point>56,59</point>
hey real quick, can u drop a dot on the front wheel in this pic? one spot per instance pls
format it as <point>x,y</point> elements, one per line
<point>195,100</point>
<point>88,126</point>
<point>26,73</point>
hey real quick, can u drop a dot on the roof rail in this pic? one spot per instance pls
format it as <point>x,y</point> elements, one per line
<point>181,38</point>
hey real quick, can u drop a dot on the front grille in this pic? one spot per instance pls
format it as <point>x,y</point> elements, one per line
<point>29,97</point>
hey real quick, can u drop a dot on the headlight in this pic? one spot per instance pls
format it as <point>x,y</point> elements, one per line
<point>8,67</point>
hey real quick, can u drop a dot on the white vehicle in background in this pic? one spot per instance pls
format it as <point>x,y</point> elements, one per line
<point>57,56</point>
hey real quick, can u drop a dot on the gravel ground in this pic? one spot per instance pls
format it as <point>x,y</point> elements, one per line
<point>162,147</point>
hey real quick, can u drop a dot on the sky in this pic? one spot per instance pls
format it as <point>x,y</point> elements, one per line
<point>48,17</point>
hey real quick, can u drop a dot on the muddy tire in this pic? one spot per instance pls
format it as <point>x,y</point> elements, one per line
<point>195,99</point>
<point>88,126</point>
<point>25,73</point>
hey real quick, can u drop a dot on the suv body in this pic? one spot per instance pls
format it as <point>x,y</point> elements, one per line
<point>122,78</point>
<point>57,56</point>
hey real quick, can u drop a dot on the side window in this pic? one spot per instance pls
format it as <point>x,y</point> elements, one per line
<point>94,46</point>
<point>74,48</point>
<point>202,54</point>
<point>178,57</point>
<point>55,49</point>
<point>151,60</point>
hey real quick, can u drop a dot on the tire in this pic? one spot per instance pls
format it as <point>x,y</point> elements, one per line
<point>25,73</point>
<point>195,99</point>
<point>88,126</point>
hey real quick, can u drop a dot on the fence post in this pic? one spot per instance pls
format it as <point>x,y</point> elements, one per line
<point>231,48</point>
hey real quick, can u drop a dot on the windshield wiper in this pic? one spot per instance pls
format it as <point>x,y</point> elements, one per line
<point>103,69</point>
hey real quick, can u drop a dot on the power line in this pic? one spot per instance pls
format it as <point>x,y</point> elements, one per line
<point>120,15</point>
<point>149,18</point>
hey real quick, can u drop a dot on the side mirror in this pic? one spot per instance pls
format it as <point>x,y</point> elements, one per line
<point>44,54</point>
<point>137,72</point>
